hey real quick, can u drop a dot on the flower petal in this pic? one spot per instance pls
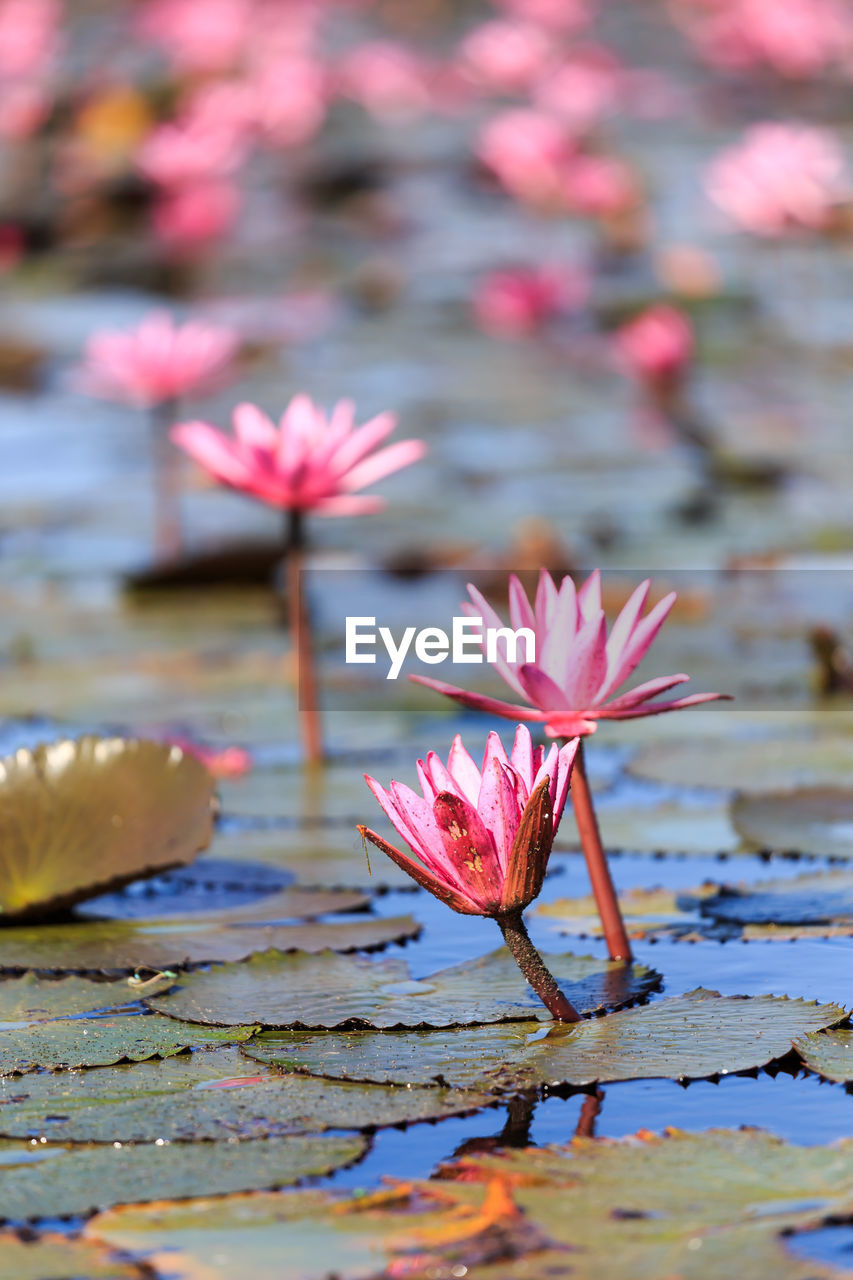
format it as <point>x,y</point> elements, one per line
<point>469,846</point>
<point>531,849</point>
<point>479,701</point>
<point>445,893</point>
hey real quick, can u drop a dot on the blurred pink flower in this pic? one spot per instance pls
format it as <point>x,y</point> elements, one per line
<point>528,151</point>
<point>780,178</point>
<point>188,218</point>
<point>799,38</point>
<point>481,837</point>
<point>388,79</point>
<point>30,33</point>
<point>24,106</point>
<point>583,88</point>
<point>578,668</point>
<point>512,303</point>
<point>187,152</point>
<point>198,37</point>
<point>505,57</point>
<point>289,101</point>
<point>309,462</point>
<point>657,346</point>
<point>158,361</point>
<point>599,186</point>
<point>225,762</point>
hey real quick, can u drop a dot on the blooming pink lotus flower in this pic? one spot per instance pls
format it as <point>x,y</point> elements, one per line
<point>799,38</point>
<point>780,178</point>
<point>512,303</point>
<point>29,37</point>
<point>657,347</point>
<point>506,57</point>
<point>157,362</point>
<point>578,667</point>
<point>481,837</point>
<point>307,462</point>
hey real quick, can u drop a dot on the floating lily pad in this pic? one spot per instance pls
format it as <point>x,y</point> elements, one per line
<point>52,1257</point>
<point>763,765</point>
<point>271,908</point>
<point>210,884</point>
<point>829,1053</point>
<point>646,912</point>
<point>30,998</point>
<point>328,991</point>
<point>80,817</point>
<point>824,898</point>
<point>811,820</point>
<point>690,1205</point>
<point>53,1180</point>
<point>207,1095</point>
<point>662,828</point>
<point>688,1037</point>
<point>94,1042</point>
<point>122,946</point>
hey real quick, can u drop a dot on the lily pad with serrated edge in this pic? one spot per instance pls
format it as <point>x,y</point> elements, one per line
<point>816,821</point>
<point>95,1042</point>
<point>123,946</point>
<point>688,1037</point>
<point>55,1257</point>
<point>821,898</point>
<point>609,1209</point>
<point>208,1095</point>
<point>271,908</point>
<point>30,998</point>
<point>746,766</point>
<point>54,1180</point>
<point>80,817</point>
<point>329,991</point>
<point>829,1053</point>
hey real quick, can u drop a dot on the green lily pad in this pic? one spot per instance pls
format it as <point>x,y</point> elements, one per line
<point>811,820</point>
<point>53,1180</point>
<point>207,1095</point>
<point>689,1205</point>
<point>328,991</point>
<point>822,898</point>
<point>648,913</point>
<point>271,908</point>
<point>688,1037</point>
<point>58,1258</point>
<point>123,946</point>
<point>95,1042</point>
<point>829,1053</point>
<point>30,998</point>
<point>763,765</point>
<point>80,817</point>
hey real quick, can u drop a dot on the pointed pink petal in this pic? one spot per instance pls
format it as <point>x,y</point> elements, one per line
<point>546,598</point>
<point>520,611</point>
<point>655,708</point>
<point>588,664</point>
<point>642,692</point>
<point>361,442</point>
<point>557,653</point>
<point>253,428</point>
<point>640,642</point>
<point>452,897</point>
<point>479,701</point>
<point>464,771</point>
<point>383,463</point>
<point>439,778</point>
<point>522,757</point>
<point>589,596</point>
<point>621,632</point>
<point>541,689</point>
<point>481,609</point>
<point>469,846</point>
<point>349,505</point>
<point>216,452</point>
<point>498,807</point>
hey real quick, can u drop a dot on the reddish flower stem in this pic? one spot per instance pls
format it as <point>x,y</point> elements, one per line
<point>589,1113</point>
<point>167,483</point>
<point>533,967</point>
<point>300,631</point>
<point>615,935</point>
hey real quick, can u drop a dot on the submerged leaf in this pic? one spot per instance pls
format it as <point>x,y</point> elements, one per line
<point>80,817</point>
<point>687,1037</point>
<point>329,991</point>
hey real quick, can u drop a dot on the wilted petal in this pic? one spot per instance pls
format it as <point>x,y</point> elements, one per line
<point>531,849</point>
<point>452,897</point>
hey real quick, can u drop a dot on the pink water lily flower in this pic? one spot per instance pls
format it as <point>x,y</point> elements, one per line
<point>657,346</point>
<point>158,361</point>
<point>308,462</point>
<point>481,837</point>
<point>578,669</point>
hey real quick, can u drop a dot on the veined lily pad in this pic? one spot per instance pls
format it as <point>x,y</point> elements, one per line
<point>80,817</point>
<point>829,1053</point>
<point>207,1095</point>
<point>58,1258</point>
<point>764,765</point>
<point>811,820</point>
<point>95,1042</point>
<point>694,1206</point>
<point>328,991</point>
<point>123,946</point>
<point>53,1180</point>
<point>30,998</point>
<point>688,1037</point>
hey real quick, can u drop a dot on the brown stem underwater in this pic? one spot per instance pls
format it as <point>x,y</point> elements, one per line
<point>300,631</point>
<point>533,967</point>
